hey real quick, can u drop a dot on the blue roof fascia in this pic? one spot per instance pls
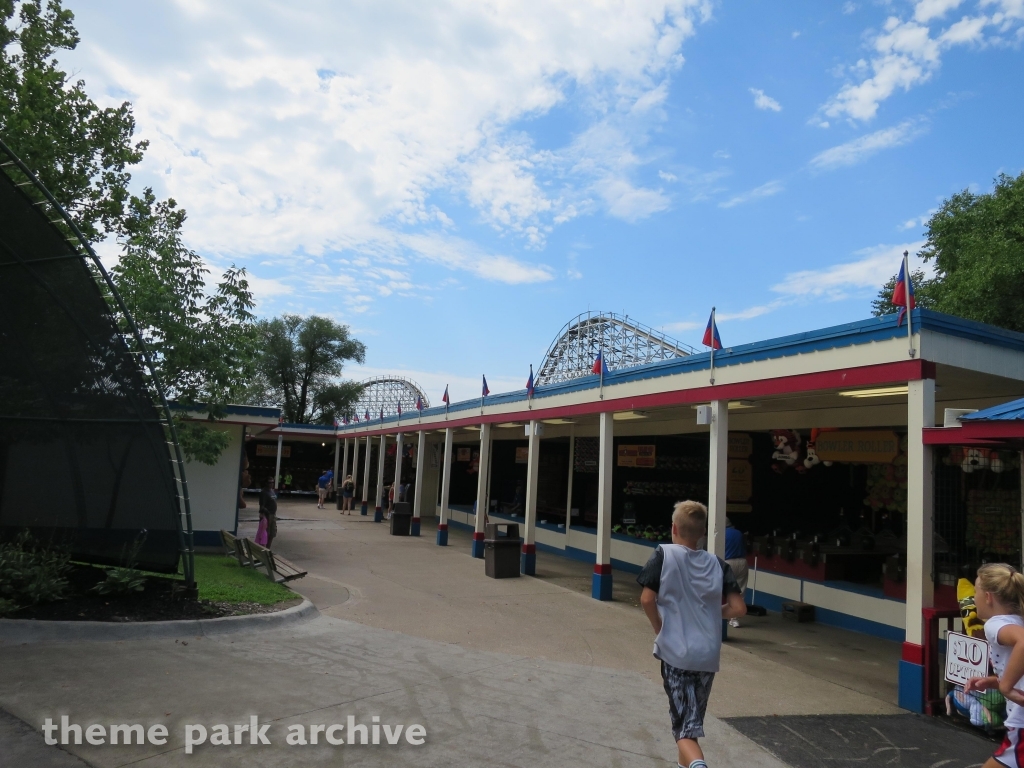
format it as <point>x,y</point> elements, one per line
<point>849,334</point>
<point>236,410</point>
<point>1011,411</point>
<point>318,427</point>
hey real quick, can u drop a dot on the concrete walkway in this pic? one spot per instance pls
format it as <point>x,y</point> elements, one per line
<point>516,672</point>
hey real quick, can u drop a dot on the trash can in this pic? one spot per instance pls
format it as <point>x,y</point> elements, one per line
<point>501,550</point>
<point>401,518</point>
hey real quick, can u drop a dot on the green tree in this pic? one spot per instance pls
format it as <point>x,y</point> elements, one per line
<point>300,363</point>
<point>203,343</point>
<point>79,151</point>
<point>882,305</point>
<point>977,245</point>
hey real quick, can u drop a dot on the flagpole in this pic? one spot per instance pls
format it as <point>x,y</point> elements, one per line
<point>600,390</point>
<point>906,297</point>
<point>712,346</point>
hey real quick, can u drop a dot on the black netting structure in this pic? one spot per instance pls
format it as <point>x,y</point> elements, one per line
<point>88,454</point>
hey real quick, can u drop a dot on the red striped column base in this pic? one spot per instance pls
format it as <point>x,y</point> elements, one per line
<point>603,569</point>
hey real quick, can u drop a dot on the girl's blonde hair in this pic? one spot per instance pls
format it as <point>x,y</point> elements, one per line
<point>1005,582</point>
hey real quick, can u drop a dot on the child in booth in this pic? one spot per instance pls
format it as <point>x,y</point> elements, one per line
<point>999,597</point>
<point>687,592</point>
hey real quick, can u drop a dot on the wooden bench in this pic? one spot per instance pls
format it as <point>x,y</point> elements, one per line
<point>278,569</point>
<point>234,547</point>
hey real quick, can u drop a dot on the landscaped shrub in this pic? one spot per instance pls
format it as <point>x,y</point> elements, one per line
<point>126,578</point>
<point>30,573</point>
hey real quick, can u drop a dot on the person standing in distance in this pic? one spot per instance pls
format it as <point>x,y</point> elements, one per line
<point>687,592</point>
<point>736,557</point>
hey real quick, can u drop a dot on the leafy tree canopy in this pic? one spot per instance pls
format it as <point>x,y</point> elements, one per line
<point>203,343</point>
<point>78,150</point>
<point>201,336</point>
<point>300,363</point>
<point>976,244</point>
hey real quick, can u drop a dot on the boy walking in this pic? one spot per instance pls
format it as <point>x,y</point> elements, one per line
<point>687,593</point>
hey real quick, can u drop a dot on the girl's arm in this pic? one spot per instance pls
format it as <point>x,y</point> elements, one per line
<point>981,683</point>
<point>1014,636</point>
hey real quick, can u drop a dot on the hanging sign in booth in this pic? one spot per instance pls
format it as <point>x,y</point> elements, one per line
<point>860,446</point>
<point>270,449</point>
<point>636,456</point>
<point>966,657</point>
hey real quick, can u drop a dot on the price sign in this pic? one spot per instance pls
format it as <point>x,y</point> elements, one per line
<point>966,657</point>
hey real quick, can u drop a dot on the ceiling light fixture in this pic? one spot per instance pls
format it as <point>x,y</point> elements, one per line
<point>902,389</point>
<point>629,415</point>
<point>558,421</point>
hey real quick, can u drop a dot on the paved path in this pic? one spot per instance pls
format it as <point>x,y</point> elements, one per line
<point>513,672</point>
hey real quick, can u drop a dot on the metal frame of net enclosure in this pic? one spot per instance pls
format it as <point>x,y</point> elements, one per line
<point>89,456</point>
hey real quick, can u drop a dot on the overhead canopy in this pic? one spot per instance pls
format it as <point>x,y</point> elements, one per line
<point>84,458</point>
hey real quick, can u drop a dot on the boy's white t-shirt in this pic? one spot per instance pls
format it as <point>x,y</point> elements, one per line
<point>999,655</point>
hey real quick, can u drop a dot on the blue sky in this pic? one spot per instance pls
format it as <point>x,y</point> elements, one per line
<point>456,180</point>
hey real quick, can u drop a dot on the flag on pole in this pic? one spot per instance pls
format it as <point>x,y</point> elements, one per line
<point>529,383</point>
<point>355,416</point>
<point>335,423</point>
<point>711,337</point>
<point>419,403</point>
<point>903,293</point>
<point>444,397</point>
<point>366,416</point>
<point>599,367</point>
<point>382,414</point>
<point>485,391</point>
<point>399,409</point>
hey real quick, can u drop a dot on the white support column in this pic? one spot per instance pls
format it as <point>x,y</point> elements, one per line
<point>920,526</point>
<point>398,463</point>
<point>378,513</point>
<point>337,463</point>
<point>482,501</point>
<point>528,559</point>
<point>568,493</point>
<point>718,476</point>
<point>601,587</point>
<point>446,479</point>
<point>366,476</point>
<point>421,468</point>
<point>277,469</point>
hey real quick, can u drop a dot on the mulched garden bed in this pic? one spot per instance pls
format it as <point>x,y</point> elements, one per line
<point>157,602</point>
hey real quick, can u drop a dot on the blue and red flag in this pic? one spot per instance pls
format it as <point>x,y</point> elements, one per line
<point>419,403</point>
<point>711,337</point>
<point>485,391</point>
<point>599,367</point>
<point>444,397</point>
<point>382,414</point>
<point>366,416</point>
<point>529,384</point>
<point>903,293</point>
<point>399,408</point>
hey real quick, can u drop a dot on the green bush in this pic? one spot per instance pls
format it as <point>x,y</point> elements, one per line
<point>126,578</point>
<point>30,574</point>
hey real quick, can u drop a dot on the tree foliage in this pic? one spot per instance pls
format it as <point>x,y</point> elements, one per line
<point>203,343</point>
<point>201,336</point>
<point>882,305</point>
<point>300,363</point>
<point>79,151</point>
<point>976,245</point>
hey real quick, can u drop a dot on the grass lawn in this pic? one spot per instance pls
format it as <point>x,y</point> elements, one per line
<point>221,578</point>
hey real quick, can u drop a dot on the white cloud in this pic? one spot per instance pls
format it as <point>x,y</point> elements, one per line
<point>321,132</point>
<point>918,221</point>
<point>926,10</point>
<point>666,176</point>
<point>763,101</point>
<point>867,274</point>
<point>853,152</point>
<point>906,54</point>
<point>765,190</point>
<point>849,8</point>
<point>721,154</point>
<point>680,327</point>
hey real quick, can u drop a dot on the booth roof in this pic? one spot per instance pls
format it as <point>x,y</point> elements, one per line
<point>845,335</point>
<point>1011,411</point>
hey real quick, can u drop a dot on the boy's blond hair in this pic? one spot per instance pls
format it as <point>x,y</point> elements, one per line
<point>690,519</point>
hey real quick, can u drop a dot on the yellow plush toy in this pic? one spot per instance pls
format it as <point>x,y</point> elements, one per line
<point>973,626</point>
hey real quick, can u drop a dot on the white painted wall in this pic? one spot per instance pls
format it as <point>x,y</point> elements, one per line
<point>213,491</point>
